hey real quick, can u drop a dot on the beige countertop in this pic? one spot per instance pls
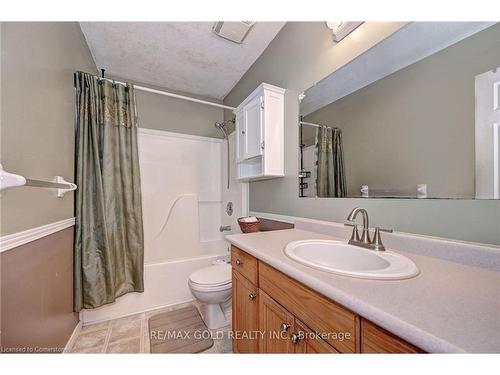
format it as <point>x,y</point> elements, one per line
<point>447,308</point>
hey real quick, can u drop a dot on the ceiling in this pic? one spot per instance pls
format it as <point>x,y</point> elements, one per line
<point>182,56</point>
<point>408,45</point>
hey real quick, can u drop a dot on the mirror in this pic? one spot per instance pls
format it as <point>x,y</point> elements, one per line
<point>416,116</point>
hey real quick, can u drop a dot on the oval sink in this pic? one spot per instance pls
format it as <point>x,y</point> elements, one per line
<point>344,259</point>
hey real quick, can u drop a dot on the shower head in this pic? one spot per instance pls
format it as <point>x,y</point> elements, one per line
<point>222,128</point>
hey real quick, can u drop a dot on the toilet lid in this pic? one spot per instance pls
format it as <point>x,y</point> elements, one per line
<point>213,275</point>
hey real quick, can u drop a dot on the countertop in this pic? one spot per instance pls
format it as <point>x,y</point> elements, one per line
<point>447,308</point>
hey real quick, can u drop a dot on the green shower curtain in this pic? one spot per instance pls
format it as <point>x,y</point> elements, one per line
<point>330,172</point>
<point>109,240</point>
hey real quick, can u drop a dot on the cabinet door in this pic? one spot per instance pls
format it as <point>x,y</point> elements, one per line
<point>240,134</point>
<point>305,341</point>
<point>275,323</point>
<point>252,127</point>
<point>245,315</point>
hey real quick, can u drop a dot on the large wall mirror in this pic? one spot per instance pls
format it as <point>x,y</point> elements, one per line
<point>416,116</point>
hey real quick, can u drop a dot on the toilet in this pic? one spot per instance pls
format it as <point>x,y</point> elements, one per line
<point>212,286</point>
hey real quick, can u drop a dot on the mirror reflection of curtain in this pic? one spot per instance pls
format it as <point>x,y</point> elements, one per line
<point>330,172</point>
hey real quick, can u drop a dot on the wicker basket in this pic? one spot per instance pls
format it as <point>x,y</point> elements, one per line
<point>252,227</point>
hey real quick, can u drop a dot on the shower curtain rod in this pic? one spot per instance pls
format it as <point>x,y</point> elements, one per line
<point>183,97</point>
<point>170,94</point>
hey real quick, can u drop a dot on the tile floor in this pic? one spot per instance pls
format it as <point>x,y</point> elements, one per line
<point>130,335</point>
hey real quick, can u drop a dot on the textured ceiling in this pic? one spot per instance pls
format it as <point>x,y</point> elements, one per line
<point>184,56</point>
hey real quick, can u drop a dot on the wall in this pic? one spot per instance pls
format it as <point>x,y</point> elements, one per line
<point>37,135</point>
<point>176,115</point>
<point>37,140</point>
<point>416,113</point>
<point>37,294</point>
<point>282,65</point>
<point>160,112</point>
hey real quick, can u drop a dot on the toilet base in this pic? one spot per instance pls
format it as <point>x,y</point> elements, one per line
<point>213,314</point>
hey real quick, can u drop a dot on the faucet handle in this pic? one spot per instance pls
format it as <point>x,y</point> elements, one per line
<point>377,240</point>
<point>384,230</point>
<point>355,234</point>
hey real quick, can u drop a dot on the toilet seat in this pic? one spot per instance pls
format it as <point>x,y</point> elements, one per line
<point>213,277</point>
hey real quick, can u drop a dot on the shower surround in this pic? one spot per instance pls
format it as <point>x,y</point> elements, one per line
<point>184,195</point>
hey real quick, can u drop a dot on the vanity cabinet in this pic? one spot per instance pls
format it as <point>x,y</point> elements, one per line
<point>377,340</point>
<point>276,325</point>
<point>284,333</point>
<point>289,317</point>
<point>309,342</point>
<point>245,317</point>
<point>260,134</point>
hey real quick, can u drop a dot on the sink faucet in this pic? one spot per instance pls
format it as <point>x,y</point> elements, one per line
<point>365,240</point>
<point>365,236</point>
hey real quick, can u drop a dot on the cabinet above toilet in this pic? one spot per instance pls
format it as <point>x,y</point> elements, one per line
<point>260,134</point>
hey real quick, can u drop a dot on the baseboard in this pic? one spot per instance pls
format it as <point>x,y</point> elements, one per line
<point>73,337</point>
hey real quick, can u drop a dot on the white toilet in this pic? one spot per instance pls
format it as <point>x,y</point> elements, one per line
<point>212,286</point>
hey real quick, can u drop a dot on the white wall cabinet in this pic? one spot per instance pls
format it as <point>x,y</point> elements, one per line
<point>260,134</point>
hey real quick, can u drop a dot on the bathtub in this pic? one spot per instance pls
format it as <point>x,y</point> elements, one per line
<point>162,288</point>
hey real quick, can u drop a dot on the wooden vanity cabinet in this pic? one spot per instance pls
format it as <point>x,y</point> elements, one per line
<point>276,325</point>
<point>245,317</point>
<point>339,325</point>
<point>245,264</point>
<point>284,333</point>
<point>273,313</point>
<point>309,342</point>
<point>377,340</point>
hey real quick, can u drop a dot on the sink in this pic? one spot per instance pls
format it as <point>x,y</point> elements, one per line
<point>344,259</point>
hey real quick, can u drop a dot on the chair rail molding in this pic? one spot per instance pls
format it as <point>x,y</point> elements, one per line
<point>13,240</point>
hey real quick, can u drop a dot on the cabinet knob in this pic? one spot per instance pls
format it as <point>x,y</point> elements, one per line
<point>238,262</point>
<point>252,296</point>
<point>285,327</point>
<point>295,337</point>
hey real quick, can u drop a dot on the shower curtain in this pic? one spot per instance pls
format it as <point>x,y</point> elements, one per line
<point>330,173</point>
<point>109,240</point>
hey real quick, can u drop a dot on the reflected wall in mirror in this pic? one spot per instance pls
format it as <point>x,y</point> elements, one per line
<point>417,116</point>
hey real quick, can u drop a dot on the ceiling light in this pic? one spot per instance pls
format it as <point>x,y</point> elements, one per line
<point>341,29</point>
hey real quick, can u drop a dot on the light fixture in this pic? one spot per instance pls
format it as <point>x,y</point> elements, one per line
<point>341,29</point>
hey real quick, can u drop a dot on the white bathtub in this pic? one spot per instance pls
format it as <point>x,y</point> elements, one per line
<point>162,287</point>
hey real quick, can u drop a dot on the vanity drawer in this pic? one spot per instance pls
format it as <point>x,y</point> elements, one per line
<point>377,340</point>
<point>316,311</point>
<point>245,264</point>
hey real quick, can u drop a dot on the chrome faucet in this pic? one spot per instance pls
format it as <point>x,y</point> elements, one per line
<point>365,240</point>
